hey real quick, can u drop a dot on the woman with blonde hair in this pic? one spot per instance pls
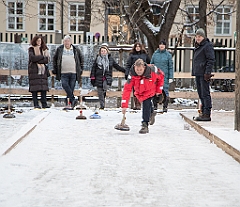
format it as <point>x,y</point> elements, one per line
<point>101,73</point>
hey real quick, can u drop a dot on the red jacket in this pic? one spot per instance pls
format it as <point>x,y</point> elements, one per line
<point>145,86</point>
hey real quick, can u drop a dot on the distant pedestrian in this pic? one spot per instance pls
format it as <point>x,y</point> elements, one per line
<point>163,60</point>
<point>147,81</point>
<point>68,67</point>
<point>101,73</point>
<point>138,51</point>
<point>202,65</point>
<point>38,71</point>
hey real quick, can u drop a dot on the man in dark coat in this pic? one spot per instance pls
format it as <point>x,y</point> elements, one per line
<point>203,62</point>
<point>68,67</point>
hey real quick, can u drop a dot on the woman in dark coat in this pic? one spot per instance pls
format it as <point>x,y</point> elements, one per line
<point>138,52</point>
<point>37,71</point>
<point>101,73</point>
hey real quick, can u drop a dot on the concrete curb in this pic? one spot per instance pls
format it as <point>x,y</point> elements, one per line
<point>214,139</point>
<point>25,135</point>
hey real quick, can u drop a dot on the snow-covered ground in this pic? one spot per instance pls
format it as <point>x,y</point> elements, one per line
<point>86,163</point>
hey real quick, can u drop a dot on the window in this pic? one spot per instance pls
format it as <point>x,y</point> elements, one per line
<point>46,16</point>
<point>15,13</point>
<point>223,21</point>
<point>193,16</point>
<point>76,19</point>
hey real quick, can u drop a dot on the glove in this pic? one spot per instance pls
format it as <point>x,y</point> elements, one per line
<point>207,77</point>
<point>170,80</point>
<point>93,81</point>
<point>159,98</point>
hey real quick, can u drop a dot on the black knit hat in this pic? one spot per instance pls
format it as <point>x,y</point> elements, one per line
<point>162,42</point>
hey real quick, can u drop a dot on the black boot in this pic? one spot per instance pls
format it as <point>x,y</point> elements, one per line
<point>144,128</point>
<point>204,117</point>
<point>155,103</point>
<point>165,105</point>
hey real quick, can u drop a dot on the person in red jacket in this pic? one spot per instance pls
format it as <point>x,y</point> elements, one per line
<point>147,81</point>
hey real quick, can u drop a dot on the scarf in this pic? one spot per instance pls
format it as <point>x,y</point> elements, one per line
<point>103,63</point>
<point>41,67</point>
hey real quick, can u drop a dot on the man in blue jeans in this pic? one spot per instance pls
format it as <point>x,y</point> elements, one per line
<point>203,62</point>
<point>68,67</point>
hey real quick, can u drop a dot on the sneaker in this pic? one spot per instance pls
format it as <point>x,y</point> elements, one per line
<point>204,117</point>
<point>144,128</point>
<point>46,107</point>
<point>37,107</point>
<point>152,118</point>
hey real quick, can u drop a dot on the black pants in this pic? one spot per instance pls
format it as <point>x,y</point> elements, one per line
<point>204,94</point>
<point>147,109</point>
<point>43,98</point>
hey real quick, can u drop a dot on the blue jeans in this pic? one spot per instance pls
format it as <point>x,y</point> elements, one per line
<point>204,94</point>
<point>147,109</point>
<point>68,84</point>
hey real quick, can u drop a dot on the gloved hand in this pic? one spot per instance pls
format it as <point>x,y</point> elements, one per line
<point>207,77</point>
<point>170,80</point>
<point>93,81</point>
<point>159,98</point>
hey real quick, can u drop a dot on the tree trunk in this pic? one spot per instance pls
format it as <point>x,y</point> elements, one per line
<point>202,15</point>
<point>139,18</point>
<point>237,72</point>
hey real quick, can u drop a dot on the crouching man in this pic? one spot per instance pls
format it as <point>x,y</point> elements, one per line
<point>147,81</point>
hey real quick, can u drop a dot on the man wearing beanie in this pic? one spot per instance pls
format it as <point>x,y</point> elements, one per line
<point>202,65</point>
<point>163,60</point>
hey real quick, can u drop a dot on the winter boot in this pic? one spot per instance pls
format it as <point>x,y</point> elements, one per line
<point>152,117</point>
<point>155,103</point>
<point>144,128</point>
<point>137,104</point>
<point>165,105</point>
<point>204,117</point>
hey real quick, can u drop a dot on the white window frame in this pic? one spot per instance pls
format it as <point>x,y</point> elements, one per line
<point>194,18</point>
<point>46,16</point>
<point>223,21</point>
<point>77,17</point>
<point>15,16</point>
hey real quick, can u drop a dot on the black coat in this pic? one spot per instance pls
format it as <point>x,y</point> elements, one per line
<point>97,75</point>
<point>203,58</point>
<point>37,82</point>
<point>132,59</point>
<point>57,62</point>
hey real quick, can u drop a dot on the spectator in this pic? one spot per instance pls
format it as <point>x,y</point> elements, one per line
<point>37,71</point>
<point>101,73</point>
<point>147,82</point>
<point>138,51</point>
<point>68,67</point>
<point>203,62</point>
<point>163,60</point>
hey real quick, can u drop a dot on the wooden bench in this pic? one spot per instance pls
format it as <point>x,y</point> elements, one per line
<point>177,75</point>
